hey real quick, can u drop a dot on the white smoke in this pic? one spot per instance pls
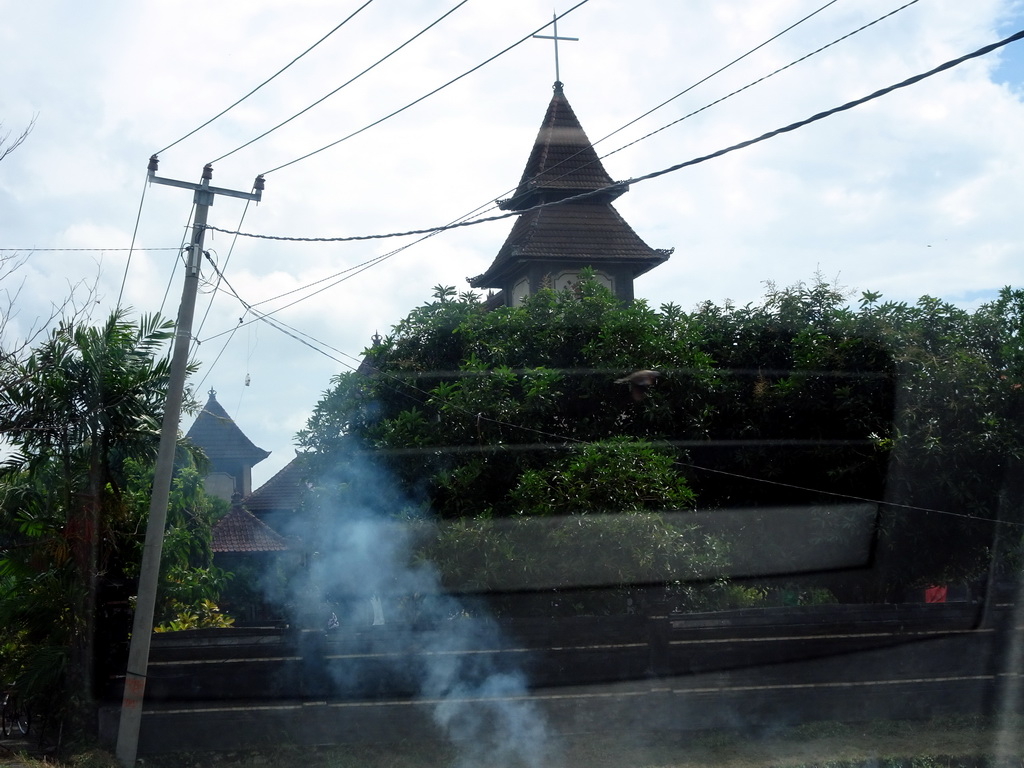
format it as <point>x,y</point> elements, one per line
<point>361,571</point>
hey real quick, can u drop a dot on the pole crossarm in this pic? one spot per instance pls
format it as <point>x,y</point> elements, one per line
<point>154,179</point>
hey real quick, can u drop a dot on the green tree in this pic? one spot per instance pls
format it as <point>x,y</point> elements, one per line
<point>190,585</point>
<point>515,384</point>
<point>475,411</point>
<point>956,441</point>
<point>82,413</point>
<point>605,514</point>
<point>801,399</point>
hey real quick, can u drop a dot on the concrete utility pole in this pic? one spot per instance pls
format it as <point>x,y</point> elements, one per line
<point>142,627</point>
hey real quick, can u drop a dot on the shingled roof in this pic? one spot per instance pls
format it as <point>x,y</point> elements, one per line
<point>572,232</point>
<point>588,232</point>
<point>563,161</point>
<point>220,438</point>
<point>283,491</point>
<point>241,531</point>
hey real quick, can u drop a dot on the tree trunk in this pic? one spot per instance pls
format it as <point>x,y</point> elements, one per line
<point>84,530</point>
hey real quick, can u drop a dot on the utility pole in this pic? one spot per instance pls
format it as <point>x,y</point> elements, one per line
<point>142,627</point>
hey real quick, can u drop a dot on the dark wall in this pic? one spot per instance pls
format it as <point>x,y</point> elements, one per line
<point>751,669</point>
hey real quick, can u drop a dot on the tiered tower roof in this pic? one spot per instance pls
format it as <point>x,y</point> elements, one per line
<point>558,232</point>
<point>220,438</point>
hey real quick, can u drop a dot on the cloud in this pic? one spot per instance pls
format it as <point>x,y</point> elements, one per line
<point>910,194</point>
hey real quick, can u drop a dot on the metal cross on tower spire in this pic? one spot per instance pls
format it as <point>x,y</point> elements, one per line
<point>556,38</point>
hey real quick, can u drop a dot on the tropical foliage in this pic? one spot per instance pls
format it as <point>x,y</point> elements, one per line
<point>800,400</point>
<point>81,413</point>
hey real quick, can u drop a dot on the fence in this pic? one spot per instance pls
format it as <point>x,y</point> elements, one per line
<point>230,689</point>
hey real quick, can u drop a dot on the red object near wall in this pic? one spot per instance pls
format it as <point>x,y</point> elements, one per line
<point>936,594</point>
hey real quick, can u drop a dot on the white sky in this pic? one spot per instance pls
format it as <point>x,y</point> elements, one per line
<point>915,193</point>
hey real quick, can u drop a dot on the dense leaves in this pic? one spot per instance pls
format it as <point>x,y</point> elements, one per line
<point>81,414</point>
<point>800,400</point>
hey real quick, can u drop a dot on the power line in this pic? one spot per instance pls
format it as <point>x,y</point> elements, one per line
<point>427,231</point>
<point>345,274</point>
<point>276,324</point>
<point>343,85</point>
<point>490,206</point>
<point>723,68</point>
<point>342,276</point>
<point>717,101</point>
<point>426,95</point>
<point>179,260</point>
<point>280,326</point>
<point>650,111</point>
<point>568,439</point>
<point>231,250</point>
<point>733,93</point>
<point>835,110</point>
<point>258,316</point>
<point>213,365</point>
<point>265,82</point>
<point>213,295</point>
<point>352,271</point>
<point>645,177</point>
<point>135,232</point>
<point>744,88</point>
<point>92,250</point>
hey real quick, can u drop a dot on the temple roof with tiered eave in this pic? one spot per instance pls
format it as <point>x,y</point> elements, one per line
<point>241,531</point>
<point>220,438</point>
<point>555,235</point>
<point>281,492</point>
<point>593,234</point>
<point>563,161</point>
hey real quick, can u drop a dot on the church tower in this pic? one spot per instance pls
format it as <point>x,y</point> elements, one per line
<point>549,245</point>
<point>232,455</point>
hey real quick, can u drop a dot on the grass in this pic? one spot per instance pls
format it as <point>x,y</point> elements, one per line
<point>944,743</point>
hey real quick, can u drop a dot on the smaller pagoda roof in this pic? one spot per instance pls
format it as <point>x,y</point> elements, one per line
<point>220,438</point>
<point>562,163</point>
<point>579,231</point>
<point>283,491</point>
<point>241,531</point>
